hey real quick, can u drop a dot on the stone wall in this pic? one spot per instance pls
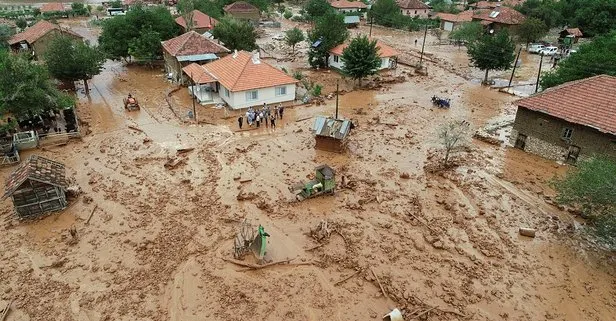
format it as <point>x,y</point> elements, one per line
<point>540,147</point>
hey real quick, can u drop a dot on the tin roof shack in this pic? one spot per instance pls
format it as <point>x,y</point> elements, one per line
<point>331,134</point>
<point>37,186</point>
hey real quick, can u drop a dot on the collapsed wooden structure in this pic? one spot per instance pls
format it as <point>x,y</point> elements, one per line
<point>331,134</point>
<point>37,186</point>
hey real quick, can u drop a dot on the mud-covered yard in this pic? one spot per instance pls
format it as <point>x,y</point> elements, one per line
<point>439,246</point>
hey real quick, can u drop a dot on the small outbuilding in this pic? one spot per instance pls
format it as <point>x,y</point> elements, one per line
<point>34,40</point>
<point>200,22</point>
<point>37,186</point>
<point>243,10</point>
<point>570,35</point>
<point>331,134</point>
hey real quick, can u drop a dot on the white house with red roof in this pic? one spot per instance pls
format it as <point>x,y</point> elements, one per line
<point>387,54</point>
<point>568,122</point>
<point>344,6</point>
<point>413,8</point>
<point>241,80</point>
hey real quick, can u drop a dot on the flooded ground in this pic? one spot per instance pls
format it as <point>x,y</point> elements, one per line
<point>158,242</point>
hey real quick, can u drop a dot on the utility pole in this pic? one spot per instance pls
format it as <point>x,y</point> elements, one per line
<point>371,20</point>
<point>337,84</point>
<point>194,96</point>
<point>515,64</point>
<point>423,45</point>
<point>539,74</point>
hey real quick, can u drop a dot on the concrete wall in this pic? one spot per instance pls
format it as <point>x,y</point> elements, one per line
<point>422,13</point>
<point>544,136</point>
<point>237,100</point>
<point>385,62</point>
<point>250,16</point>
<point>41,44</point>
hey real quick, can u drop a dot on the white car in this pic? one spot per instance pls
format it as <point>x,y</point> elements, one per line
<point>549,51</point>
<point>278,37</point>
<point>535,48</point>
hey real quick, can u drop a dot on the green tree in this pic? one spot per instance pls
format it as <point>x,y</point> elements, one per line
<point>331,31</point>
<point>596,17</point>
<point>21,23</point>
<point>592,189</point>
<point>26,89</point>
<point>115,4</point>
<point>594,58</point>
<point>236,34</point>
<point>467,32</point>
<point>548,11</point>
<point>70,60</point>
<point>293,37</point>
<point>185,8</point>
<point>36,12</point>
<point>147,47</point>
<point>317,8</point>
<point>386,13</point>
<point>531,29</point>
<point>116,34</point>
<point>444,6</point>
<point>5,34</point>
<point>492,52</point>
<point>79,8</point>
<point>361,58</point>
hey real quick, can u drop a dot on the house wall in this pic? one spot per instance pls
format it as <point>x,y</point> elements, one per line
<point>173,66</point>
<point>422,13</point>
<point>544,136</point>
<point>34,198</point>
<point>251,16</point>
<point>41,44</point>
<point>385,62</point>
<point>329,144</point>
<point>237,100</point>
<point>344,10</point>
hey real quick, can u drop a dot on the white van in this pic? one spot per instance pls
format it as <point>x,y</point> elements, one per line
<point>549,51</point>
<point>535,48</point>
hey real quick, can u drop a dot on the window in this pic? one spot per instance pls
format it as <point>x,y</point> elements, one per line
<point>252,95</point>
<point>281,91</point>
<point>225,91</point>
<point>408,11</point>
<point>567,133</point>
<point>336,58</point>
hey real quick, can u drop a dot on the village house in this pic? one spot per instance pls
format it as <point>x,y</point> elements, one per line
<point>413,8</point>
<point>451,22</point>
<point>243,10</point>
<point>574,34</point>
<point>344,6</point>
<point>36,38</point>
<point>568,122</point>
<point>241,80</point>
<point>387,54</point>
<point>53,7</point>
<point>493,4</point>
<point>37,186</point>
<point>201,22</point>
<point>9,23</point>
<point>499,18</point>
<point>188,48</point>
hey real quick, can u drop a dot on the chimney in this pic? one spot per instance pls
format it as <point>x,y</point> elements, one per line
<point>255,58</point>
<point>235,53</point>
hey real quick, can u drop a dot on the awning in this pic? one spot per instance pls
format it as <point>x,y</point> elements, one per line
<point>198,74</point>
<point>208,56</point>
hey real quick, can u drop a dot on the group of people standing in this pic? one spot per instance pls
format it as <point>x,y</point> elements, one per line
<point>264,115</point>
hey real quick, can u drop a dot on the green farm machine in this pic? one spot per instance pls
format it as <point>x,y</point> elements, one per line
<point>248,239</point>
<point>324,183</point>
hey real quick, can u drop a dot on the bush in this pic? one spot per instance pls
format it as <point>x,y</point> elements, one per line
<point>298,18</point>
<point>288,14</point>
<point>298,75</point>
<point>316,89</point>
<point>281,9</point>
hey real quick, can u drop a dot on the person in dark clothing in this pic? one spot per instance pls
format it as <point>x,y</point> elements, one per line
<point>273,121</point>
<point>240,121</point>
<point>281,111</point>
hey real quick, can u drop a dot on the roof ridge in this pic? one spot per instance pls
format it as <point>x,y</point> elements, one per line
<point>565,85</point>
<point>244,68</point>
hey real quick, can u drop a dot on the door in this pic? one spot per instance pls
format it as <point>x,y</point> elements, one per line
<point>448,26</point>
<point>520,142</point>
<point>572,155</point>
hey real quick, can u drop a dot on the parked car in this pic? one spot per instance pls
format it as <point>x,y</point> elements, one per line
<point>535,48</point>
<point>278,37</point>
<point>549,51</point>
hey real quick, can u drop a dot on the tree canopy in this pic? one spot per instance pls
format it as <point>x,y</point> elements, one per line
<point>387,13</point>
<point>120,32</point>
<point>361,58</point>
<point>293,37</point>
<point>591,189</point>
<point>147,47</point>
<point>492,52</point>
<point>317,8</point>
<point>71,60</point>
<point>331,31</point>
<point>594,58</point>
<point>531,29</point>
<point>5,34</point>
<point>236,34</point>
<point>26,89</point>
<point>467,32</point>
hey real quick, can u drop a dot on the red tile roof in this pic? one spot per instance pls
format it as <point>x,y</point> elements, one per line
<point>574,32</point>
<point>241,7</point>
<point>506,16</point>
<point>7,22</point>
<point>384,50</point>
<point>200,20</point>
<point>198,74</point>
<point>465,16</point>
<point>192,43</point>
<point>39,169</point>
<point>412,4</point>
<point>53,7</point>
<point>35,32</point>
<point>590,102</point>
<point>490,4</point>
<point>238,72</point>
<point>345,4</point>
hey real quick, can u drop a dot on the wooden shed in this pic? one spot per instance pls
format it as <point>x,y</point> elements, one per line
<point>331,134</point>
<point>37,186</point>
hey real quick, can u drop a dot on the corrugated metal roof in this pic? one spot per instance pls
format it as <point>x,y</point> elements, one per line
<point>207,56</point>
<point>330,127</point>
<point>351,19</point>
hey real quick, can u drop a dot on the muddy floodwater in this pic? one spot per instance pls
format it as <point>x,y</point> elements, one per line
<point>165,196</point>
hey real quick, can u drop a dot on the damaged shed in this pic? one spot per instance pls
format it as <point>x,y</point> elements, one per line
<point>37,186</point>
<point>331,134</point>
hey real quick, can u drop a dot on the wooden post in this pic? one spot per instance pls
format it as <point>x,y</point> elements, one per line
<point>423,45</point>
<point>337,84</point>
<point>539,74</point>
<point>515,64</point>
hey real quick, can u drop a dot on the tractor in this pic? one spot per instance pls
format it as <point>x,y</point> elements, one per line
<point>324,183</point>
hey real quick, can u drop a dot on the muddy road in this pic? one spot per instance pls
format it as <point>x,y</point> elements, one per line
<point>158,242</point>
